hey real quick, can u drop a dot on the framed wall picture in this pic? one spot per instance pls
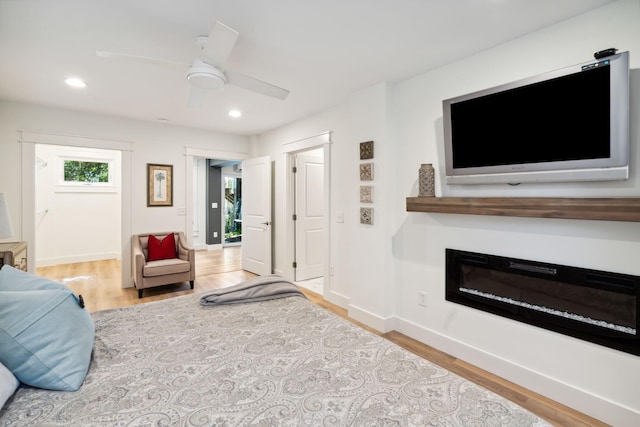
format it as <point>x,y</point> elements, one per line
<point>159,185</point>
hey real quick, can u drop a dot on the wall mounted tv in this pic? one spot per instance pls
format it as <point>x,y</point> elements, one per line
<point>566,125</point>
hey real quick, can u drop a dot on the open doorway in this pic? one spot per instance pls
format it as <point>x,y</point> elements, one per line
<point>217,203</point>
<point>78,218</point>
<point>232,216</point>
<point>29,140</point>
<point>256,188</point>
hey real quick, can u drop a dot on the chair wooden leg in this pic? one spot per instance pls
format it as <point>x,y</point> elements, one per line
<point>191,283</point>
<point>139,293</point>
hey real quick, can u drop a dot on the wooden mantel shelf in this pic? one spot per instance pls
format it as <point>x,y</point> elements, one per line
<point>602,209</point>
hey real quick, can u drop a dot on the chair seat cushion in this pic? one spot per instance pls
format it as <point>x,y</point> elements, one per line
<point>165,266</point>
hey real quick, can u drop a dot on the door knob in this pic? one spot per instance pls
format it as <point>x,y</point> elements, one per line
<point>266,223</point>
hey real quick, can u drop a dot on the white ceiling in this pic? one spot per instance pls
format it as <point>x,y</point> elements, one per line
<point>322,51</point>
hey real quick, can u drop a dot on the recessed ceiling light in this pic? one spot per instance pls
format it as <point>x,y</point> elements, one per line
<point>235,113</point>
<point>75,82</point>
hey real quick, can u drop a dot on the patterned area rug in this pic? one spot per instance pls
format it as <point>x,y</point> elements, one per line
<point>284,362</point>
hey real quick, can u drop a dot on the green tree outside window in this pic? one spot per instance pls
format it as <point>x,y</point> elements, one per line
<point>79,171</point>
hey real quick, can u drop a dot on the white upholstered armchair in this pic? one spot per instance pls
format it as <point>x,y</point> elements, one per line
<point>177,267</point>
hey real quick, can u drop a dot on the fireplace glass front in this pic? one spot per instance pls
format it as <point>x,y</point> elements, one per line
<point>596,306</point>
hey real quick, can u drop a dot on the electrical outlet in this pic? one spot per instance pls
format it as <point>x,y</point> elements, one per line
<point>215,234</point>
<point>422,299</point>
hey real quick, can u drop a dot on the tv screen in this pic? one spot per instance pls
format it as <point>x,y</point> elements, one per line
<point>566,125</point>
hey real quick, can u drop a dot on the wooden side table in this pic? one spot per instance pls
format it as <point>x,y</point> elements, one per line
<point>14,254</point>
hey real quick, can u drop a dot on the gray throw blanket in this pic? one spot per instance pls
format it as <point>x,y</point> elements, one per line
<point>259,288</point>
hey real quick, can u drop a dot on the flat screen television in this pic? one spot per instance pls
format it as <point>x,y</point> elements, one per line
<point>565,125</point>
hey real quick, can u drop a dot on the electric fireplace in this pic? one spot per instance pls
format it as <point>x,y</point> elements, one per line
<point>596,306</point>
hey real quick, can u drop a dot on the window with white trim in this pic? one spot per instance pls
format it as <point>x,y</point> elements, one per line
<point>86,172</point>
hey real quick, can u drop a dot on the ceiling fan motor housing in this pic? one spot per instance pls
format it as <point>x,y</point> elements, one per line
<point>206,76</point>
<point>206,73</point>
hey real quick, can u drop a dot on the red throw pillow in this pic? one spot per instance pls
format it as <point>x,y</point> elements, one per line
<point>161,249</point>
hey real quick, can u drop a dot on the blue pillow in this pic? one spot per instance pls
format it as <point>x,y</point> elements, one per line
<point>46,338</point>
<point>12,279</point>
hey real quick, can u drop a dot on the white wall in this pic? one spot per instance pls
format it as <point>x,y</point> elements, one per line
<point>75,223</point>
<point>152,143</point>
<point>380,269</point>
<point>591,378</point>
<point>372,299</point>
<point>343,197</point>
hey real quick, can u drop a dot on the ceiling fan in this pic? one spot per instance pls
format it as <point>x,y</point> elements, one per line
<point>207,72</point>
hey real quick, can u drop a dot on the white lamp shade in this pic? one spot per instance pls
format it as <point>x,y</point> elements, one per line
<point>5,219</point>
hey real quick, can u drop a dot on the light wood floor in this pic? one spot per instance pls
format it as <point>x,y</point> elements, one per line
<point>99,284</point>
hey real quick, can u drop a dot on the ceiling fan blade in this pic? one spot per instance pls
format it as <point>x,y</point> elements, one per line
<point>255,85</point>
<point>196,97</point>
<point>219,45</point>
<point>136,58</point>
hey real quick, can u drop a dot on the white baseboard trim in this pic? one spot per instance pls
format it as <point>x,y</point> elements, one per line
<point>217,247</point>
<point>580,400</point>
<point>373,320</point>
<point>337,299</point>
<point>47,262</point>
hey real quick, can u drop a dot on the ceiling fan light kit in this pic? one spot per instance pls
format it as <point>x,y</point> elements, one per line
<point>206,76</point>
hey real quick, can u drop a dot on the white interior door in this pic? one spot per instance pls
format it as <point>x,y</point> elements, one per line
<point>309,224</point>
<point>256,215</point>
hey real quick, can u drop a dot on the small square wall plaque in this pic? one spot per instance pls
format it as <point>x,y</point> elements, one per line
<point>366,216</point>
<point>366,171</point>
<point>366,150</point>
<point>366,193</point>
